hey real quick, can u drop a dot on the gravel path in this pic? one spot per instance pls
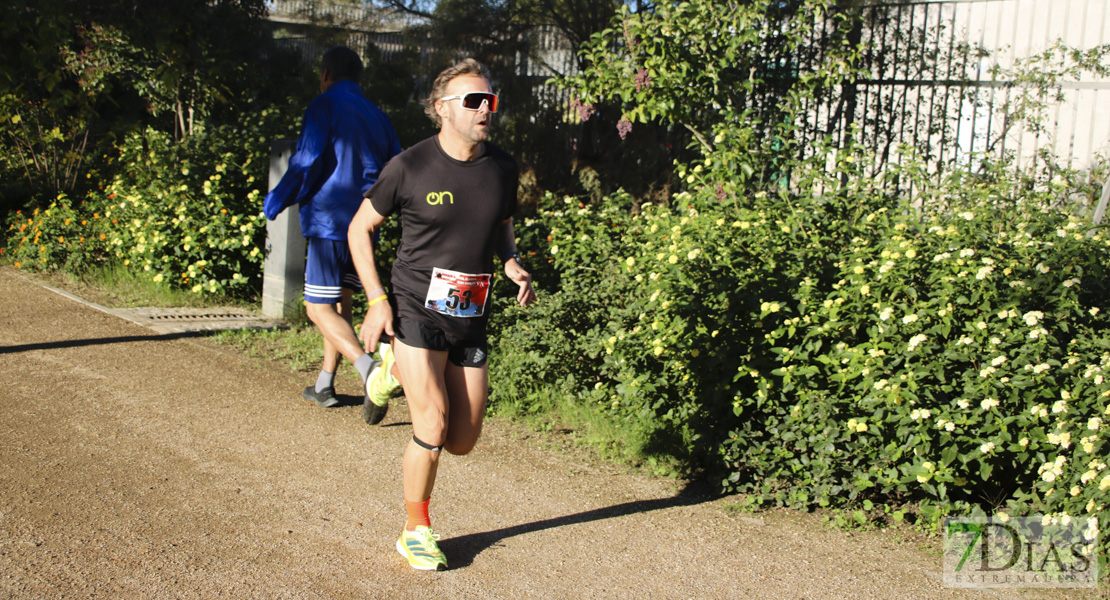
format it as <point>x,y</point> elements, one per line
<point>142,465</point>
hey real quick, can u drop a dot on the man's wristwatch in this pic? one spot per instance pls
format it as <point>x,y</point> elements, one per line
<point>515,255</point>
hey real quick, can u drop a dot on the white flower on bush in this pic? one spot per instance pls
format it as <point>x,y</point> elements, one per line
<point>967,252</point>
<point>987,448</point>
<point>1039,411</point>
<point>920,413</point>
<point>984,272</point>
<point>1088,476</point>
<point>880,384</point>
<point>1070,282</point>
<point>1023,442</point>
<point>988,404</point>
<point>886,314</point>
<point>1093,311</point>
<point>1104,484</point>
<point>915,341</point>
<point>965,340</point>
<point>1038,369</point>
<point>1059,406</point>
<point>910,318</point>
<point>1043,268</point>
<point>981,325</point>
<point>966,215</point>
<point>1036,333</point>
<point>942,256</point>
<point>1091,533</point>
<point>887,266</point>
<point>1050,471</point>
<point>987,372</point>
<point>963,403</point>
<point>998,360</point>
<point>1032,317</point>
<point>1088,444</point>
<point>1094,424</point>
<point>1062,440</point>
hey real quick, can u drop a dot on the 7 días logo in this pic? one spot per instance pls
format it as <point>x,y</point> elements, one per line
<point>1019,552</point>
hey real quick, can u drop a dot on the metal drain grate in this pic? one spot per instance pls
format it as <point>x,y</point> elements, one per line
<point>173,320</point>
<point>204,317</point>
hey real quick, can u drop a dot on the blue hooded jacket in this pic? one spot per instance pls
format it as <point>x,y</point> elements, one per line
<point>345,141</point>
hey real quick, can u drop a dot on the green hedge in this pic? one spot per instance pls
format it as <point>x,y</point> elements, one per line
<point>835,345</point>
<point>184,214</point>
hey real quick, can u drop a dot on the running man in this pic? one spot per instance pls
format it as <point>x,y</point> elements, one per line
<point>344,143</point>
<point>456,194</point>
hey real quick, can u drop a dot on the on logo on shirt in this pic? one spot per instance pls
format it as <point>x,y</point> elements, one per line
<point>437,198</point>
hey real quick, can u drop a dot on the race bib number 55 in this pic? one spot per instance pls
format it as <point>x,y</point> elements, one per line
<point>457,294</point>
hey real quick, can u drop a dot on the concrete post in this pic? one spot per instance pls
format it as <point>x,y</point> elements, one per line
<point>283,274</point>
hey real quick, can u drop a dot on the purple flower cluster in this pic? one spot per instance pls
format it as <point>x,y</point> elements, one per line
<point>643,80</point>
<point>623,127</point>
<point>584,110</point>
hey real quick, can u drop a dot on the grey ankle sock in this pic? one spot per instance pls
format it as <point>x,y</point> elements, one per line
<point>363,364</point>
<point>324,381</point>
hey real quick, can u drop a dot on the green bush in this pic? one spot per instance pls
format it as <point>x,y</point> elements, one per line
<point>185,214</point>
<point>833,344</point>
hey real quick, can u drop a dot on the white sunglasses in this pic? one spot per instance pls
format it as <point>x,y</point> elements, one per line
<point>474,100</point>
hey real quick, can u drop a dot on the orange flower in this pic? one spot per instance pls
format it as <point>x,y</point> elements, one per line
<point>81,240</point>
<point>84,222</point>
<point>102,236</point>
<point>17,265</point>
<point>112,195</point>
<point>223,211</point>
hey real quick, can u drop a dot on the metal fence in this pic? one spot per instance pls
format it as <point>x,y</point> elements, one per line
<point>931,84</point>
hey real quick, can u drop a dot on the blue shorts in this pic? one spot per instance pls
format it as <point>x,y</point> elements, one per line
<point>328,269</point>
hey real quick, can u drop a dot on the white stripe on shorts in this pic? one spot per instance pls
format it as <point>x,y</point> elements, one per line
<point>321,291</point>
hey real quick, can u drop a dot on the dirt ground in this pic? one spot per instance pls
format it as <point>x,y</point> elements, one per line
<point>142,465</point>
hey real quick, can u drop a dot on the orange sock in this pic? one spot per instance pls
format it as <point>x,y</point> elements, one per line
<point>418,514</point>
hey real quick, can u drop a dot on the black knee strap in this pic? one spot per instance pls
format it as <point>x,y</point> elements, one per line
<point>425,445</point>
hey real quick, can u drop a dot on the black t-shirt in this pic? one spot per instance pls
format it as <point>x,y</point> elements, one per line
<point>451,211</point>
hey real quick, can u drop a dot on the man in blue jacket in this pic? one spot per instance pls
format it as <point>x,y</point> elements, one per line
<point>345,141</point>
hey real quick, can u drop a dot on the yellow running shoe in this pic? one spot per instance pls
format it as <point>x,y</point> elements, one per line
<point>420,549</point>
<point>381,385</point>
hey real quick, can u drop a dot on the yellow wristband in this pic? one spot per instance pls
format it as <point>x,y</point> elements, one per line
<point>377,300</point>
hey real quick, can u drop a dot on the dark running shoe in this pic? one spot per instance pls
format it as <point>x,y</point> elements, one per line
<point>325,398</point>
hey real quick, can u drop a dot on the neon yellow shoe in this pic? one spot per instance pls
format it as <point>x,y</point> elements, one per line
<point>420,549</point>
<point>381,385</point>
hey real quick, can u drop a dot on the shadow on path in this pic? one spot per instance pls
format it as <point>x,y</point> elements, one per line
<point>462,550</point>
<point>100,341</point>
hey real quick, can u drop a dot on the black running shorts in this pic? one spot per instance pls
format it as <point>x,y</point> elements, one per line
<point>463,353</point>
